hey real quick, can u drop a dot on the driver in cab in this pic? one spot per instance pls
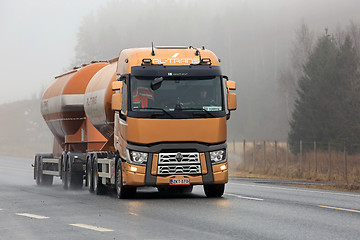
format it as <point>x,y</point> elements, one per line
<point>141,96</point>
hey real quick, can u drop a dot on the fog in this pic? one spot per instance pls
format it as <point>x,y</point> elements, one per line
<point>253,38</point>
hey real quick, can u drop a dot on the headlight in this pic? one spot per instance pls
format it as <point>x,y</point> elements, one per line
<point>139,158</point>
<point>218,156</point>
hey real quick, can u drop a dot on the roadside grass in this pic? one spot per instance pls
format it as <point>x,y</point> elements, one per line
<point>337,170</point>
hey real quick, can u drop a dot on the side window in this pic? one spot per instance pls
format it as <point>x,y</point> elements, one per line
<point>124,98</point>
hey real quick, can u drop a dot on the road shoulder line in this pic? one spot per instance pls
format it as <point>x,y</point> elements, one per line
<point>340,209</point>
<point>295,189</point>
<point>243,197</point>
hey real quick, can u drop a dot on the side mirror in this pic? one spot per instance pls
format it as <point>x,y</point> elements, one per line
<point>231,101</point>
<point>116,101</point>
<point>231,85</point>
<point>117,85</point>
<point>231,97</point>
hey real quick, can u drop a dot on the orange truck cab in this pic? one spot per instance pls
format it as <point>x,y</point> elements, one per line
<point>162,113</point>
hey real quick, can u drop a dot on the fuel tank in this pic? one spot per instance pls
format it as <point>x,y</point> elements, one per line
<point>97,102</point>
<point>62,105</point>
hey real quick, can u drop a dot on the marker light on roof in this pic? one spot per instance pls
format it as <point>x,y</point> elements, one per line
<point>206,60</point>
<point>146,60</point>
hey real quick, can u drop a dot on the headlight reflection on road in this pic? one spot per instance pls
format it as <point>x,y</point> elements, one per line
<point>134,207</point>
<point>223,203</point>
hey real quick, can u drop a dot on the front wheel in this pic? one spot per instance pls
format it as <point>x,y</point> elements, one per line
<point>122,192</point>
<point>214,190</point>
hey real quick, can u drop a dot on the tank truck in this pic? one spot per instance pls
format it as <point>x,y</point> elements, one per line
<point>151,117</point>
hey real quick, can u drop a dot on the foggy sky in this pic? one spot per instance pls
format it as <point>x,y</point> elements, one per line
<point>38,37</point>
<point>37,40</point>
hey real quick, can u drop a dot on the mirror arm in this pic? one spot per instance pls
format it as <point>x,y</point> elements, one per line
<point>228,116</point>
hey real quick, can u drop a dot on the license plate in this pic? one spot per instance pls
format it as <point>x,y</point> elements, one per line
<point>183,181</point>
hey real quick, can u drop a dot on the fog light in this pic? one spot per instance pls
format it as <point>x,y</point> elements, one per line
<point>133,169</point>
<point>223,167</point>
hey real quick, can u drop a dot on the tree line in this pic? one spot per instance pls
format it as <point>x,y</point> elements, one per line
<point>324,85</point>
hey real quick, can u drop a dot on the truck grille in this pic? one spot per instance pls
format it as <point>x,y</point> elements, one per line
<point>179,158</point>
<point>179,169</point>
<point>179,163</point>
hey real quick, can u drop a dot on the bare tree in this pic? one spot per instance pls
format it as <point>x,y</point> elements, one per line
<point>288,80</point>
<point>353,31</point>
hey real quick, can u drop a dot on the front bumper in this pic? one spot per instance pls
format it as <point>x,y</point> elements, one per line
<point>135,175</point>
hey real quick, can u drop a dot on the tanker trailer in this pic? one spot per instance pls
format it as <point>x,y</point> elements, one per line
<point>98,109</point>
<point>62,107</point>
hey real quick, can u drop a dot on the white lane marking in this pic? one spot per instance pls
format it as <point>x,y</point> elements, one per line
<point>95,228</point>
<point>297,190</point>
<point>1,209</point>
<point>341,209</point>
<point>18,169</point>
<point>239,196</point>
<point>31,215</point>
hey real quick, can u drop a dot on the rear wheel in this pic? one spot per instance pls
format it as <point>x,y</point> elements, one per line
<point>214,190</point>
<point>64,173</point>
<point>99,188</point>
<point>122,192</point>
<point>36,170</point>
<point>74,174</point>
<point>41,179</point>
<point>89,174</point>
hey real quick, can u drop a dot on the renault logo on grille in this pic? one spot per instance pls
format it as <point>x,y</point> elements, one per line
<point>179,157</point>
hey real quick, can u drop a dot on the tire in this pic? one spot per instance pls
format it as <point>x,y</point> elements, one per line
<point>64,173</point>
<point>74,176</point>
<point>89,174</point>
<point>99,188</point>
<point>41,179</point>
<point>36,170</point>
<point>122,192</point>
<point>214,190</point>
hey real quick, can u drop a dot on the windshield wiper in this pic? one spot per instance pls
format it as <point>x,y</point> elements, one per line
<point>152,108</point>
<point>201,109</point>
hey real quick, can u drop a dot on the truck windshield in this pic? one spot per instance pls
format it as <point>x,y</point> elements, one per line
<point>175,94</point>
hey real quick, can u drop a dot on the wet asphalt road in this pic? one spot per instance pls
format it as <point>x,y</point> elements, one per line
<point>248,210</point>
